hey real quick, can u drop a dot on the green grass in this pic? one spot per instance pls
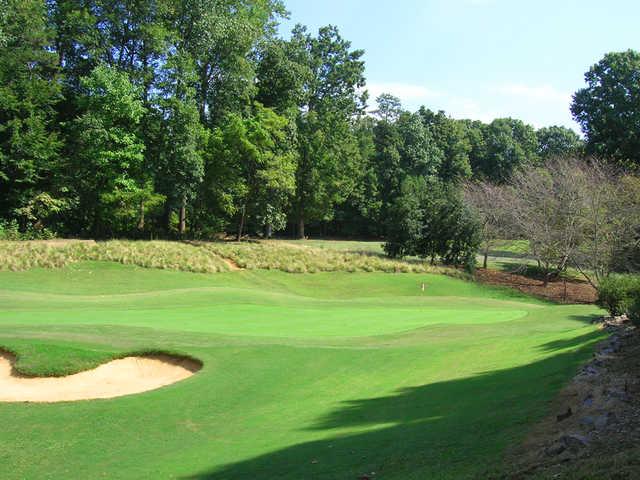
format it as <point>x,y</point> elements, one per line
<point>311,376</point>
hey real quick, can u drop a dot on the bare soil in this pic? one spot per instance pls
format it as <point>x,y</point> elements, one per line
<point>571,291</point>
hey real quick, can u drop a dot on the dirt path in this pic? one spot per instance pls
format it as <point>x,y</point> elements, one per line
<point>117,378</point>
<point>233,266</point>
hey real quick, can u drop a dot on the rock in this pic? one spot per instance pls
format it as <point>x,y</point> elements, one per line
<point>588,423</point>
<point>617,394</point>
<point>574,442</point>
<point>589,370</point>
<point>588,401</point>
<point>564,416</point>
<point>555,449</point>
<point>598,422</point>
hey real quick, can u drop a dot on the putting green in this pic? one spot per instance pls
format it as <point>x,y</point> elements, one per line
<point>323,376</point>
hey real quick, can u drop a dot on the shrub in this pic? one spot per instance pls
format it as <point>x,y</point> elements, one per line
<point>11,231</point>
<point>430,220</point>
<point>634,309</point>
<point>618,293</point>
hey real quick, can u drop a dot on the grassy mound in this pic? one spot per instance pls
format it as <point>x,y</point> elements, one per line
<point>202,257</point>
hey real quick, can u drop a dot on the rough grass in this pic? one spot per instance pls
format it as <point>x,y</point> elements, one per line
<point>299,258</point>
<point>203,257</point>
<point>18,256</point>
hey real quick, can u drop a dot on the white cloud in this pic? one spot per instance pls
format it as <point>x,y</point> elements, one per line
<point>539,105</point>
<point>408,93</point>
<point>538,93</point>
<point>466,108</point>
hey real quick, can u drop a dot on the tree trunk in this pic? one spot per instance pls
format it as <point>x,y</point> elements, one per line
<point>486,256</point>
<point>268,230</point>
<point>183,216</point>
<point>141,217</point>
<point>301,226</point>
<point>166,220</point>
<point>242,218</point>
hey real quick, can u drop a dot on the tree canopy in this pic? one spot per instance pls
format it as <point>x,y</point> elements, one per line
<point>192,119</point>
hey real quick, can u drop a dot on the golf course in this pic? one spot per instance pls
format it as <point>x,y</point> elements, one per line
<point>328,375</point>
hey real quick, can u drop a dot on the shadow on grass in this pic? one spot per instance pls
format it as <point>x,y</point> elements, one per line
<point>577,342</point>
<point>446,430</point>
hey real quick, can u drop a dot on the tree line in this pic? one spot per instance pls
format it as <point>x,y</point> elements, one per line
<point>168,118</point>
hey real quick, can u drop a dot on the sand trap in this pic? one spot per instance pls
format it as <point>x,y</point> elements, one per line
<point>114,379</point>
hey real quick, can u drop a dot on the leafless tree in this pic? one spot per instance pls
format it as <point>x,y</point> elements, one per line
<point>488,202</point>
<point>574,212</point>
<point>547,205</point>
<point>610,222</point>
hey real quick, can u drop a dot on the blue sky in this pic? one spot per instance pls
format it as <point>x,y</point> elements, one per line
<point>479,59</point>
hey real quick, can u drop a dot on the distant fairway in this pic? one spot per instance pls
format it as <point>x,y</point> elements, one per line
<point>309,376</point>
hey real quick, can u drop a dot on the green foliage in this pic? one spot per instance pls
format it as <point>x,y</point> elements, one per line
<point>141,119</point>
<point>109,153</point>
<point>607,108</point>
<point>450,137</point>
<point>263,162</point>
<point>430,220</point>
<point>508,145</point>
<point>11,231</point>
<point>29,92</point>
<point>558,142</point>
<point>389,107</point>
<point>618,293</point>
<point>327,148</point>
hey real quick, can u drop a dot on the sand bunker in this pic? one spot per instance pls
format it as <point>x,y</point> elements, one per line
<point>125,376</point>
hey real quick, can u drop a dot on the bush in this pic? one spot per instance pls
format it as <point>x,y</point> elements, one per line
<point>619,293</point>
<point>634,309</point>
<point>11,231</point>
<point>430,220</point>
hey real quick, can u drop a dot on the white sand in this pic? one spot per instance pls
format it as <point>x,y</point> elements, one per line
<point>114,379</point>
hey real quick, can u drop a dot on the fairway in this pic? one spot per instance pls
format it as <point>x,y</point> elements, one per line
<point>305,376</point>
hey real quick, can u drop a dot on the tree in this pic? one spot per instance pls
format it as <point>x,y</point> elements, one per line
<point>180,163</point>
<point>608,108</point>
<point>609,224</point>
<point>220,36</point>
<point>508,145</point>
<point>430,219</point>
<point>450,138</point>
<point>488,203</point>
<point>361,212</point>
<point>265,162</point>
<point>326,144</point>
<point>29,92</point>
<point>281,77</point>
<point>419,154</point>
<point>387,161</point>
<point>4,7</point>
<point>576,212</point>
<point>557,141</point>
<point>389,107</point>
<point>108,152</point>
<point>547,204</point>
